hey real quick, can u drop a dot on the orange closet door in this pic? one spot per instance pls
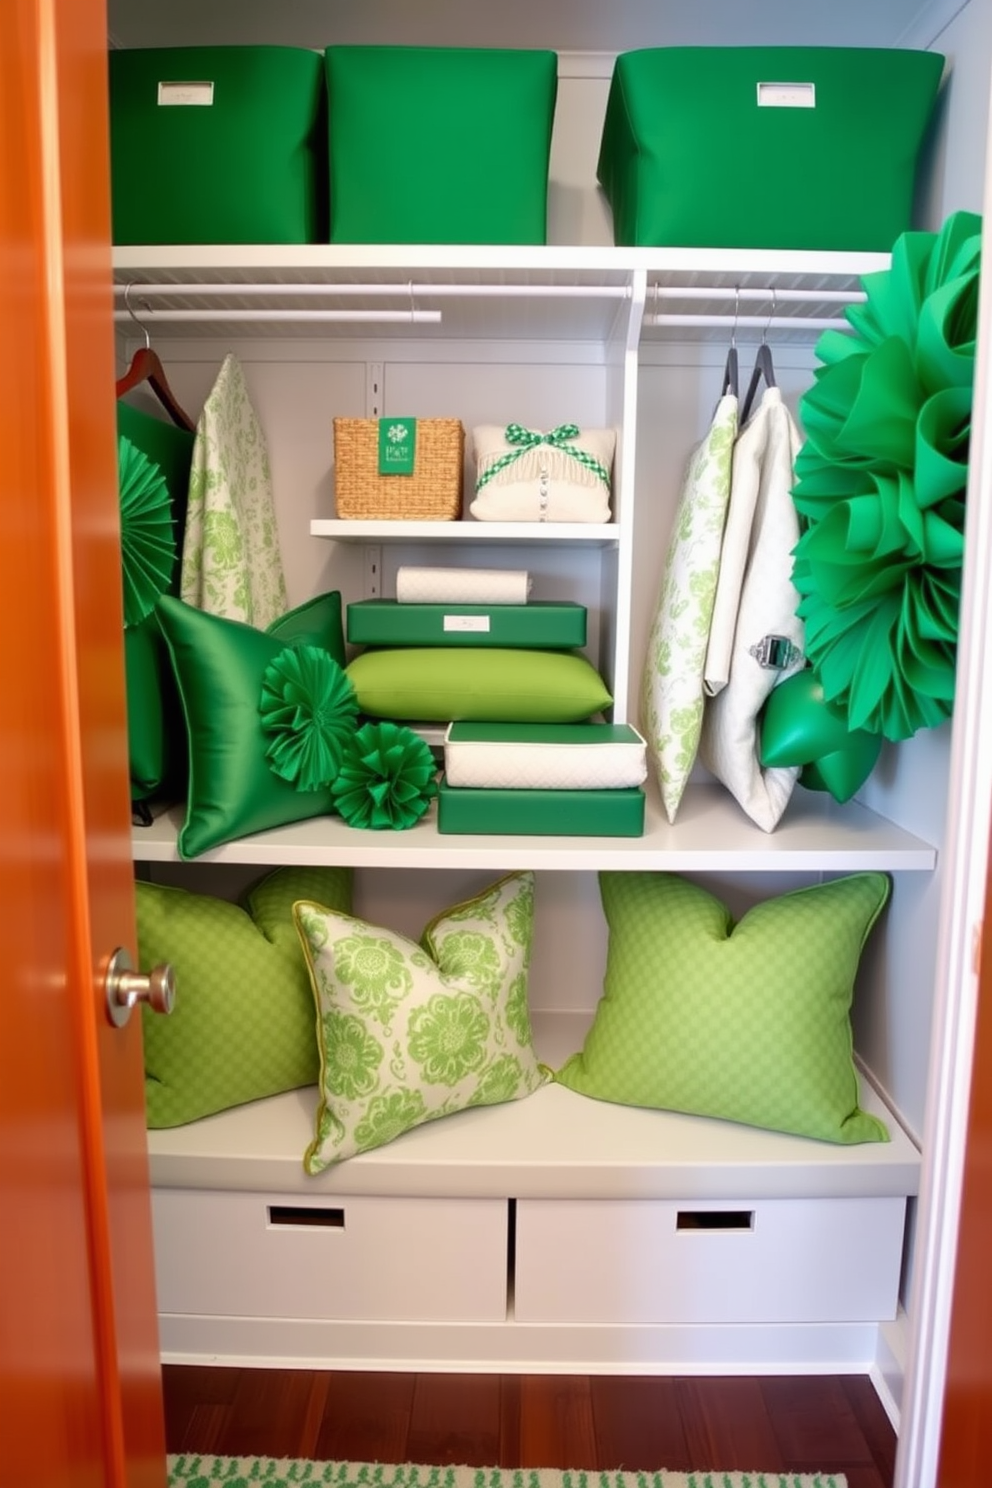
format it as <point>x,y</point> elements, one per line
<point>967,1421</point>
<point>80,1384</point>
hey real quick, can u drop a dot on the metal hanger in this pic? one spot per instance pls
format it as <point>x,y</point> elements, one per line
<point>731,371</point>
<point>763,367</point>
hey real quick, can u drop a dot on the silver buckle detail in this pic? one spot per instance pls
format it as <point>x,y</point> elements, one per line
<point>776,652</point>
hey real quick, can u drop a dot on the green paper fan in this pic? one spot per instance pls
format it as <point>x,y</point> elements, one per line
<point>148,543</point>
<point>309,711</point>
<point>387,778</point>
<point>881,483</point>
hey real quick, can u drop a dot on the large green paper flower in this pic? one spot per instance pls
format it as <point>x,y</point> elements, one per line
<point>881,486</point>
<point>148,543</point>
<point>386,777</point>
<point>308,710</point>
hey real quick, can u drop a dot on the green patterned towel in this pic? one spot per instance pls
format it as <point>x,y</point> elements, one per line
<point>231,561</point>
<point>193,1471</point>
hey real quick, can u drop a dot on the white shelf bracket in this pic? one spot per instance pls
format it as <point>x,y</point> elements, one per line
<point>373,390</point>
<point>372,571</point>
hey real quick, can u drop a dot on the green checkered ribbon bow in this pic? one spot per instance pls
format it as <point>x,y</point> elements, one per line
<point>526,439</point>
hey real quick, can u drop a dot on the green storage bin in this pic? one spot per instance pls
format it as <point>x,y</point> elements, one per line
<point>541,813</point>
<point>765,147</point>
<point>439,144</point>
<point>218,145</point>
<point>539,625</point>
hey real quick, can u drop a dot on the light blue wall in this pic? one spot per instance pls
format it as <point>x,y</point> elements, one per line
<point>954,167</point>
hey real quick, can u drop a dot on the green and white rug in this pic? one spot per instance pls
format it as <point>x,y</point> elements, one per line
<point>201,1471</point>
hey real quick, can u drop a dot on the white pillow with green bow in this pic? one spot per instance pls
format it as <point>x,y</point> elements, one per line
<point>408,1032</point>
<point>530,475</point>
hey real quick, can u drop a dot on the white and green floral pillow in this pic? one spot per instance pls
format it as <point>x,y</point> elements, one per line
<point>411,1032</point>
<point>672,687</point>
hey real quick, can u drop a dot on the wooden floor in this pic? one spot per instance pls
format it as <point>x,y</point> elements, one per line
<point>796,1423</point>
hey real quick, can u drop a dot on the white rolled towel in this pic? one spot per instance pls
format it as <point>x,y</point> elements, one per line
<point>484,586</point>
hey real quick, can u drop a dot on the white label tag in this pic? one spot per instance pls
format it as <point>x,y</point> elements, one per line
<point>787,95</point>
<point>184,95</point>
<point>467,622</point>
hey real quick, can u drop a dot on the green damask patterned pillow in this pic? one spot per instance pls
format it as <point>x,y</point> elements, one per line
<point>411,1032</point>
<point>748,1021</point>
<point>672,687</point>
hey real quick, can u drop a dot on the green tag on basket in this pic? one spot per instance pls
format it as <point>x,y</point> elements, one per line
<point>397,445</point>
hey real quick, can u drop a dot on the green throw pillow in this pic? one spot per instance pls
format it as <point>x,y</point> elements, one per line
<point>749,1021</point>
<point>409,1033</point>
<point>243,1024</point>
<point>219,666</point>
<point>436,684</point>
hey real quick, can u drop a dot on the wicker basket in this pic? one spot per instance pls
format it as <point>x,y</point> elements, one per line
<point>433,493</point>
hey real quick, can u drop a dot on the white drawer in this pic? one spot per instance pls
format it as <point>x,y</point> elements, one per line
<point>265,1255</point>
<point>654,1261</point>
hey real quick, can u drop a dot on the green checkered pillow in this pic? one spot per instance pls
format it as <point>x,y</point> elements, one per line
<point>749,1022</point>
<point>412,1032</point>
<point>243,1024</point>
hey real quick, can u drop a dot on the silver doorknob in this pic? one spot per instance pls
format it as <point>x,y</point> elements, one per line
<point>127,987</point>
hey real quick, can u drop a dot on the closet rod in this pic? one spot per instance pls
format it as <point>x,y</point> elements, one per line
<point>757,322</point>
<point>770,296</point>
<point>372,291</point>
<point>404,317</point>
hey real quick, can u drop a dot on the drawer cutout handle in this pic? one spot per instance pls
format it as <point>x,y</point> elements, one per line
<point>300,1216</point>
<point>715,1219</point>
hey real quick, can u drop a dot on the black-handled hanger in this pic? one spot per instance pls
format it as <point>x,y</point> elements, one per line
<point>764,367</point>
<point>146,366</point>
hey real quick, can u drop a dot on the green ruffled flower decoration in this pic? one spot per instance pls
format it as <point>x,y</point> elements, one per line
<point>148,543</point>
<point>387,778</point>
<point>881,487</point>
<point>309,711</point>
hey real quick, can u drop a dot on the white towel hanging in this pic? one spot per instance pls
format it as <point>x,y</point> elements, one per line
<point>761,637</point>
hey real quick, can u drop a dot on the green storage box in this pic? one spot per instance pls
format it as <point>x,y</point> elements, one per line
<point>539,625</point>
<point>765,147</point>
<point>218,145</point>
<point>439,144</point>
<point>541,813</point>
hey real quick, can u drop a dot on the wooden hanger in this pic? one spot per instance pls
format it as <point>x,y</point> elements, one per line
<point>146,366</point>
<point>763,368</point>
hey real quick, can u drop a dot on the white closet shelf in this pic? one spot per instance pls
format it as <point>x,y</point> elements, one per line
<point>592,534</point>
<point>518,292</point>
<point>710,835</point>
<point>553,1144</point>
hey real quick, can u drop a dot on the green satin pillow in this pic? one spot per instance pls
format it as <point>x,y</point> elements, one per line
<point>243,1024</point>
<point>219,666</point>
<point>433,683</point>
